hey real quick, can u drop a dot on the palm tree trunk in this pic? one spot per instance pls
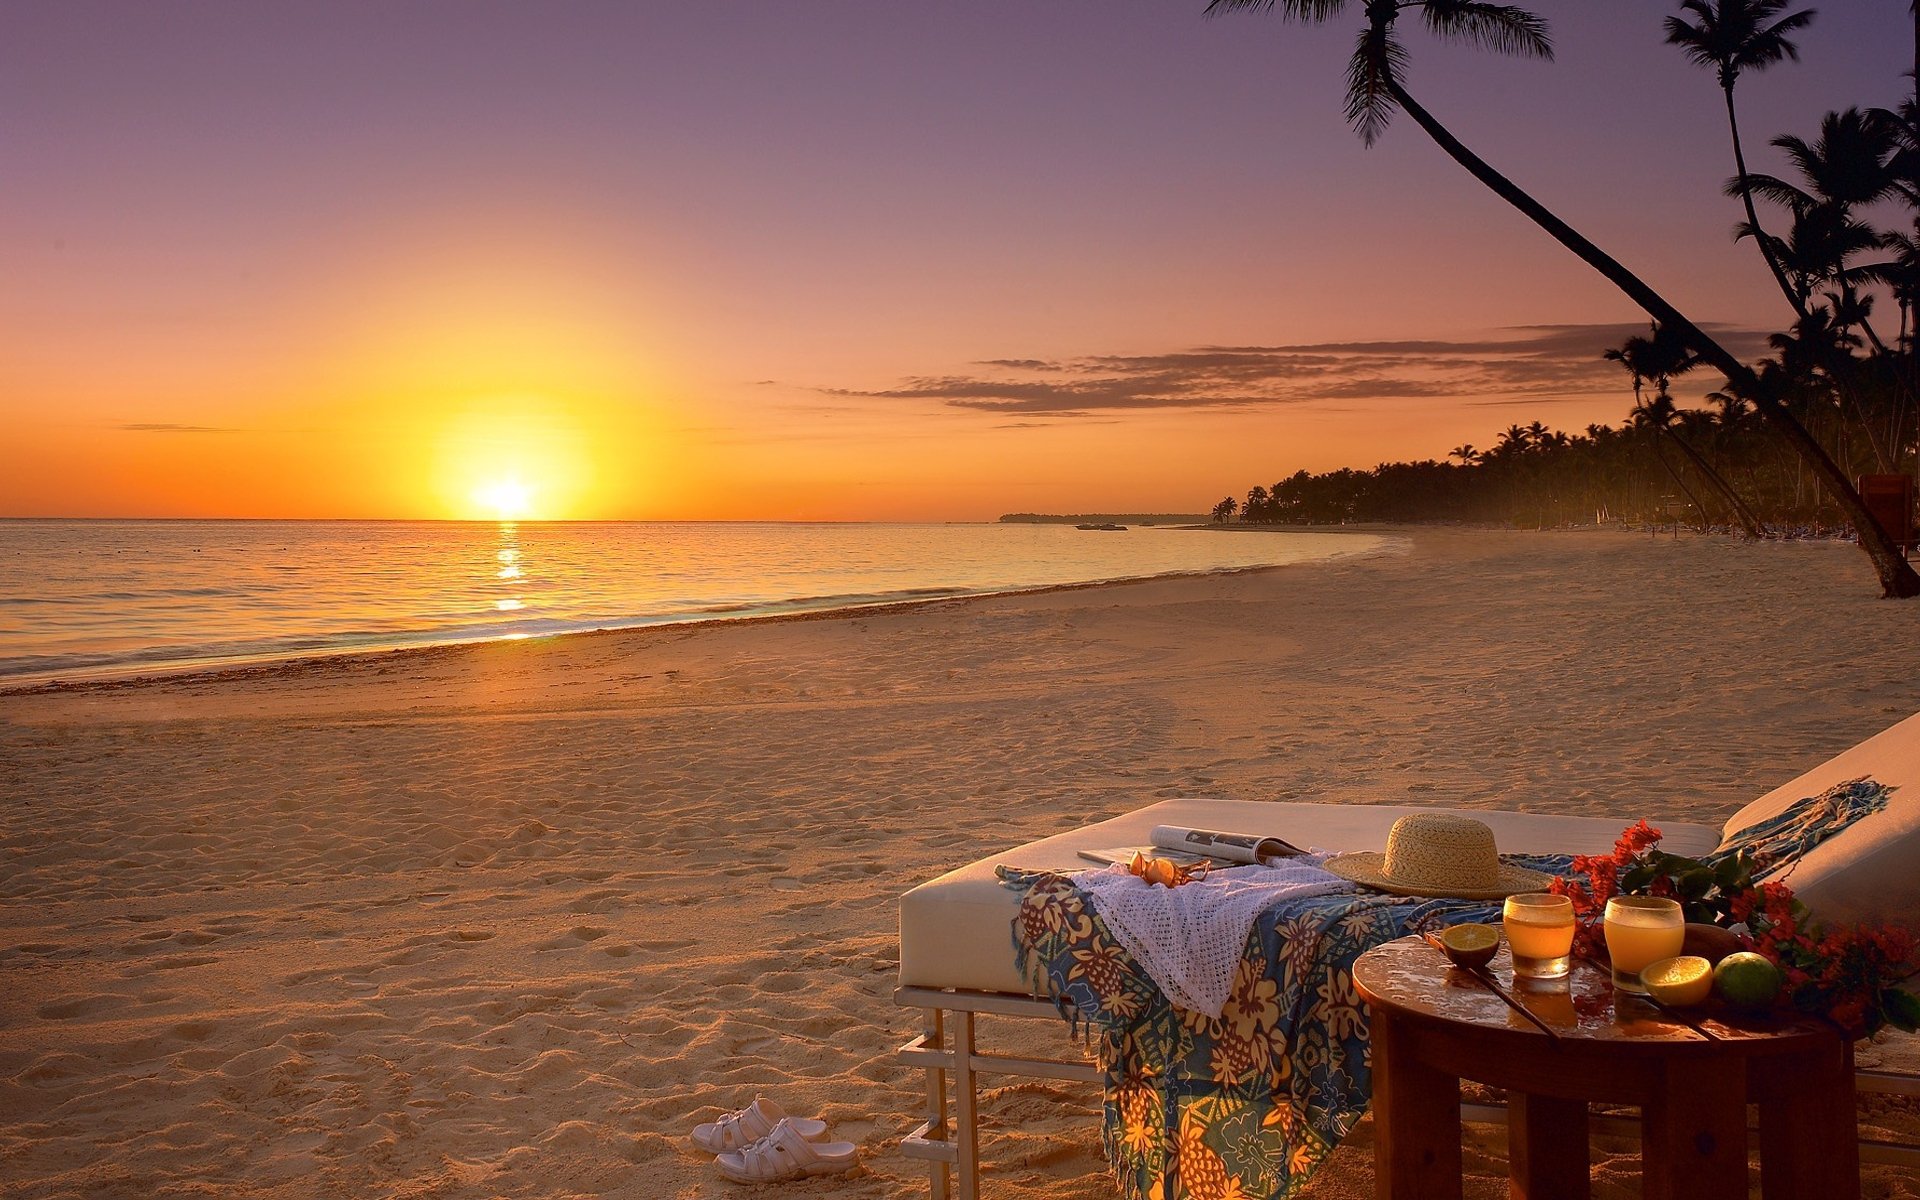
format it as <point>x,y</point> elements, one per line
<point>1753,216</point>
<point>1851,299</point>
<point>1680,483</point>
<point>1897,578</point>
<point>1741,512</point>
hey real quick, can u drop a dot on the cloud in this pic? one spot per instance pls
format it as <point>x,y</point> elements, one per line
<point>172,427</point>
<point>1523,364</point>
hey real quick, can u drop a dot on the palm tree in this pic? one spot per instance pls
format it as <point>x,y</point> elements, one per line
<point>1734,36</point>
<point>1659,358</point>
<point>1656,417</point>
<point>1375,90</point>
<point>1223,511</point>
<point>1847,167</point>
<point>1467,455</point>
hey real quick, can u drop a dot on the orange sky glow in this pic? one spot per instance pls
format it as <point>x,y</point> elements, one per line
<point>467,262</point>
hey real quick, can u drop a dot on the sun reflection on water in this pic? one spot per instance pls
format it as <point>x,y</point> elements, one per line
<point>509,558</point>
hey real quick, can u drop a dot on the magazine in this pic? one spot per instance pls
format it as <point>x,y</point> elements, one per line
<point>1189,846</point>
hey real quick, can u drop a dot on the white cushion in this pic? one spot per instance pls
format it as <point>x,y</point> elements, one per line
<point>957,931</point>
<point>1870,871</point>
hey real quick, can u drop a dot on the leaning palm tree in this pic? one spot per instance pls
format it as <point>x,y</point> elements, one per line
<point>1655,418</point>
<point>1375,89</point>
<point>1732,36</point>
<point>1658,359</point>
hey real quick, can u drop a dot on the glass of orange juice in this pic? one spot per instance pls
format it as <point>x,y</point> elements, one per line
<point>1539,929</point>
<point>1641,930</point>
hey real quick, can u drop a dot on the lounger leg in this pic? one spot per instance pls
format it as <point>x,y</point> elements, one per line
<point>938,1173</point>
<point>966,1131</point>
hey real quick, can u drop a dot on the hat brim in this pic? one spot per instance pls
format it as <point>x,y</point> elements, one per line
<point>1368,869</point>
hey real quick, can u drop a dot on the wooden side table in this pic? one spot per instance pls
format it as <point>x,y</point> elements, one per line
<point>1434,1025</point>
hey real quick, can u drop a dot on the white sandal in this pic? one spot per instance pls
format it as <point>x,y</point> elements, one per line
<point>742,1128</point>
<point>784,1154</point>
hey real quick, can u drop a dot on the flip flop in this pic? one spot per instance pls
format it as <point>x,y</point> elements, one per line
<point>783,1155</point>
<point>741,1128</point>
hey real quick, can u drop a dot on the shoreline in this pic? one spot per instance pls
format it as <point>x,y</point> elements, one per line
<point>246,666</point>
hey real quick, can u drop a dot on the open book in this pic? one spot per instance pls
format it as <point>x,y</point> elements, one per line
<point>1184,845</point>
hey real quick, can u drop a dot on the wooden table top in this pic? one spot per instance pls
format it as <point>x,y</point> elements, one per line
<point>1411,977</point>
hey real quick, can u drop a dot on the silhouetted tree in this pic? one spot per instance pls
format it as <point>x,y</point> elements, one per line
<point>1375,89</point>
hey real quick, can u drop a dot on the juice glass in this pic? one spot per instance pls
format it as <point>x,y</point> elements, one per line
<point>1641,930</point>
<point>1539,929</point>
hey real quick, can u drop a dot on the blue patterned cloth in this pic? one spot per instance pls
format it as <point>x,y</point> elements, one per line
<point>1250,1104</point>
<point>1783,839</point>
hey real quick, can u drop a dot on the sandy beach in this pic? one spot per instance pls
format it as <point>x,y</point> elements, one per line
<point>504,920</point>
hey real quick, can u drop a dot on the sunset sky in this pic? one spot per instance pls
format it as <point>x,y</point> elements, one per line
<point>823,259</point>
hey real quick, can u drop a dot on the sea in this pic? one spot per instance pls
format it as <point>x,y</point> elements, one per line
<point>95,599</point>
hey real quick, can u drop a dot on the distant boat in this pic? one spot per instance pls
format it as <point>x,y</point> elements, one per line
<point>1108,527</point>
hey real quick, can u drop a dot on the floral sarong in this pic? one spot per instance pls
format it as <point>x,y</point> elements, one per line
<point>1247,1105</point>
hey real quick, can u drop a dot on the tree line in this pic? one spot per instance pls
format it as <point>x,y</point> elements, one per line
<point>1787,436</point>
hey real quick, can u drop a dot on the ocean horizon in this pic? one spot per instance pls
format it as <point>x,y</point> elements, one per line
<point>100,598</point>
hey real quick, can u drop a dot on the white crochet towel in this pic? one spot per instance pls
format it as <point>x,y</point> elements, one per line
<point>1190,938</point>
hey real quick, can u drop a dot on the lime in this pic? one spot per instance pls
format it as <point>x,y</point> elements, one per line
<point>1747,980</point>
<point>1470,945</point>
<point>1679,981</point>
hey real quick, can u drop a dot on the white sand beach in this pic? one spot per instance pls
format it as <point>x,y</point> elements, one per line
<point>505,920</point>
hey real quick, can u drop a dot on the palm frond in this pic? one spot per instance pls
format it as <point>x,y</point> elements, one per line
<point>1501,28</point>
<point>1769,187</point>
<point>1292,10</point>
<point>1696,41</point>
<point>1887,273</point>
<point>1769,45</point>
<point>1799,152</point>
<point>1378,63</point>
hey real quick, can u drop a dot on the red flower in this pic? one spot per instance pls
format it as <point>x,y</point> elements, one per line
<point>1852,973</point>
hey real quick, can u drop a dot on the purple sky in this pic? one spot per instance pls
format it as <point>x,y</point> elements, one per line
<point>766,240</point>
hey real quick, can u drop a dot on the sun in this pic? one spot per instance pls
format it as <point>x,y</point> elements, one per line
<point>505,499</point>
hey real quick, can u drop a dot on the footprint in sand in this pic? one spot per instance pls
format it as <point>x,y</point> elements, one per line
<point>51,1068</point>
<point>596,902</point>
<point>80,1006</point>
<point>172,962</point>
<point>574,938</point>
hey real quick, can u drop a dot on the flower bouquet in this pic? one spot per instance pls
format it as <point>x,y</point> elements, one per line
<point>1854,974</point>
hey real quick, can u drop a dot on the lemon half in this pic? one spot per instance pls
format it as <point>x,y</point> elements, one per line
<point>1680,981</point>
<point>1471,944</point>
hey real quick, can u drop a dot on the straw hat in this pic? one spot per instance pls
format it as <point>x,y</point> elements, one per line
<point>1439,854</point>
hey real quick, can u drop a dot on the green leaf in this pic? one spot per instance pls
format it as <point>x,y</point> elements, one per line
<point>1730,873</point>
<point>1902,1008</point>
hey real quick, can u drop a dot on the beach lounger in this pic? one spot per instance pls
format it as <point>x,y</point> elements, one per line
<point>957,959</point>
